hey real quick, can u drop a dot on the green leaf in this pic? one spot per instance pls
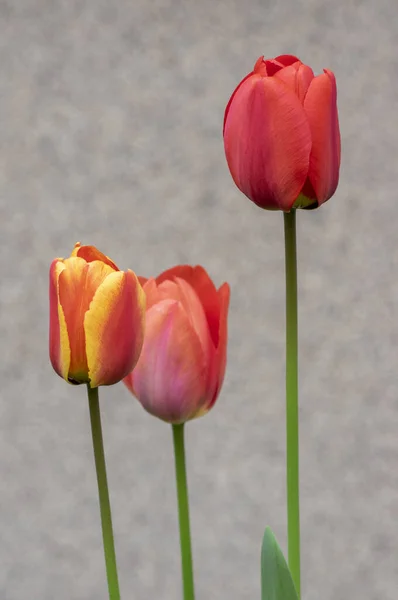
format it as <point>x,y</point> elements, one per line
<point>276,580</point>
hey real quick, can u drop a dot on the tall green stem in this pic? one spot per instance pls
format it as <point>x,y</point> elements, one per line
<point>183,512</point>
<point>105,507</point>
<point>292,422</point>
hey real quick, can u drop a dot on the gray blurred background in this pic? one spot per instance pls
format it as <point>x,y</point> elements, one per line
<point>111,117</point>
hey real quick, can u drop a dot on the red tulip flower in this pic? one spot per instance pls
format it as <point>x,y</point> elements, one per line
<point>96,318</point>
<point>281,135</point>
<point>182,364</point>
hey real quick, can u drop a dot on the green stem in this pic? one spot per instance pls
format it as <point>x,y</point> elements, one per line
<point>105,507</point>
<point>292,422</point>
<point>183,512</point>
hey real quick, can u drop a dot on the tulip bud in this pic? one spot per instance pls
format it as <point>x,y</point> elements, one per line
<point>96,318</point>
<point>281,135</point>
<point>181,368</point>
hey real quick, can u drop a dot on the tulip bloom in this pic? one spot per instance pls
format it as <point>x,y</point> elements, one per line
<point>96,318</point>
<point>281,135</point>
<point>181,368</point>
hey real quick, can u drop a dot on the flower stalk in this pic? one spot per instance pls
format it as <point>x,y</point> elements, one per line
<point>292,421</point>
<point>183,512</point>
<point>105,507</point>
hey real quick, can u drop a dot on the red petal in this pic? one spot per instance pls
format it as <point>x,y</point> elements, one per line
<point>298,78</point>
<point>287,59</point>
<point>91,253</point>
<point>259,67</point>
<point>231,98</point>
<point>269,68</point>
<point>129,383</point>
<point>184,271</point>
<point>267,142</point>
<point>142,280</point>
<point>221,354</point>
<point>320,106</point>
<point>198,278</point>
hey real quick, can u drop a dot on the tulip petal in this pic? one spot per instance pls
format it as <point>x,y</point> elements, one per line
<point>181,291</point>
<point>72,298</point>
<point>183,271</point>
<point>78,283</point>
<point>142,280</point>
<point>267,142</point>
<point>221,354</point>
<point>198,278</point>
<point>233,96</point>
<point>170,377</point>
<point>114,328</point>
<point>320,106</point>
<point>151,292</point>
<point>297,77</point>
<point>287,59</point>
<point>129,382</point>
<point>195,312</point>
<point>91,253</point>
<point>267,67</point>
<point>59,341</point>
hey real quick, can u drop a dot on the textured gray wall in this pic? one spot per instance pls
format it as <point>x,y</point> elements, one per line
<point>110,134</point>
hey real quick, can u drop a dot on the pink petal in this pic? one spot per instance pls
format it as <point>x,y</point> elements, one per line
<point>170,377</point>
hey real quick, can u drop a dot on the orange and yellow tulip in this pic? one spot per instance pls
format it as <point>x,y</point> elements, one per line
<point>97,318</point>
<point>281,135</point>
<point>181,368</point>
